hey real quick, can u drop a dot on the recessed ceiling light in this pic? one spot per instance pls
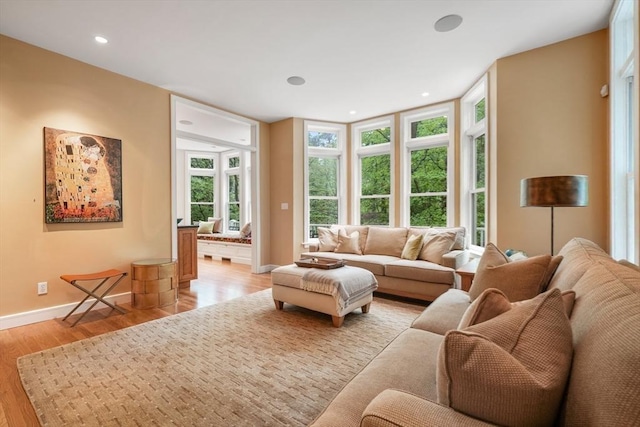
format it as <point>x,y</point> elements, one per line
<point>352,112</point>
<point>101,40</point>
<point>185,122</point>
<point>447,23</point>
<point>425,94</point>
<point>296,80</point>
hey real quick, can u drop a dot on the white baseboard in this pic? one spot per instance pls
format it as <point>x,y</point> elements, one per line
<point>266,268</point>
<point>40,315</point>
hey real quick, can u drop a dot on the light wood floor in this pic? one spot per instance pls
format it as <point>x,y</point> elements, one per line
<point>217,281</point>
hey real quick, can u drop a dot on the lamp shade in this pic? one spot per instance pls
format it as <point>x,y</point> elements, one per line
<point>558,191</point>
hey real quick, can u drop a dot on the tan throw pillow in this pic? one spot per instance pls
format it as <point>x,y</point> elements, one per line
<point>217,224</point>
<point>519,280</point>
<point>348,244</point>
<point>328,239</point>
<point>245,231</point>
<point>205,227</point>
<point>492,302</point>
<point>512,369</point>
<point>412,247</point>
<point>435,244</point>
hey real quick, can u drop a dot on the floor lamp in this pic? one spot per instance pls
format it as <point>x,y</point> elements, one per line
<point>555,191</point>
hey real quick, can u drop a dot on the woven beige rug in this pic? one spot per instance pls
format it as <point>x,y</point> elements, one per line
<point>237,363</point>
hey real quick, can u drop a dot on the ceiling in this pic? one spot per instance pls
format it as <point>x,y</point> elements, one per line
<point>371,57</point>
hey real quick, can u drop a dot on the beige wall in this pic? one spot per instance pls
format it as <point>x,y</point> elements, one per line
<point>43,89</point>
<point>549,119</point>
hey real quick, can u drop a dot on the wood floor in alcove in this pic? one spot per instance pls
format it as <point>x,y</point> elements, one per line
<point>217,281</point>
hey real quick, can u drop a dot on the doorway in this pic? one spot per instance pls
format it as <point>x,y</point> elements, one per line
<point>198,129</point>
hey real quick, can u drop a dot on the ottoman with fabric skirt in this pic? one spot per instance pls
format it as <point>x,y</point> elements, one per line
<point>335,292</point>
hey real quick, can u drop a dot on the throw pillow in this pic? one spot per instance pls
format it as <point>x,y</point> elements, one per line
<point>328,239</point>
<point>519,280</point>
<point>348,244</point>
<point>493,302</point>
<point>412,247</point>
<point>512,369</point>
<point>205,227</point>
<point>435,244</point>
<point>217,224</point>
<point>245,231</point>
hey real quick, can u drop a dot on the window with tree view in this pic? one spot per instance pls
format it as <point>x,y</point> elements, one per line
<point>373,154</point>
<point>323,172</point>
<point>201,189</point>
<point>426,171</point>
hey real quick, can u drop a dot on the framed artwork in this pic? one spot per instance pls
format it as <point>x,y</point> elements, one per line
<point>83,177</point>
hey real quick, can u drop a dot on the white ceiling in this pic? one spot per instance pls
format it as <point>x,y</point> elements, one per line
<point>374,57</point>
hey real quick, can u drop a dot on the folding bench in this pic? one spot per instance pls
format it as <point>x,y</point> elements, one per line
<point>104,277</point>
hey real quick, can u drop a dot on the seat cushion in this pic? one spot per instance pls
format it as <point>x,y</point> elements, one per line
<point>520,360</point>
<point>424,271</point>
<point>373,263</point>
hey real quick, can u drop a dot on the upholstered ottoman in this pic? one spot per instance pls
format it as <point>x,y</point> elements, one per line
<point>336,292</point>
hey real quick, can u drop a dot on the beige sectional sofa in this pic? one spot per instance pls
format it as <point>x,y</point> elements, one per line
<point>585,359</point>
<point>380,250</point>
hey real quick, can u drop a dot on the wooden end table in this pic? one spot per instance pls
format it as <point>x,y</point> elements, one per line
<point>467,272</point>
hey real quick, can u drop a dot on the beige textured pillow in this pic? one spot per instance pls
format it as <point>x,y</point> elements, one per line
<point>412,247</point>
<point>328,239</point>
<point>493,302</point>
<point>385,241</point>
<point>217,224</point>
<point>205,227</point>
<point>245,231</point>
<point>435,244</point>
<point>348,244</point>
<point>512,369</point>
<point>518,280</point>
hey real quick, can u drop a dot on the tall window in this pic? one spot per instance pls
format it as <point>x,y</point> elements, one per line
<point>372,142</point>
<point>324,176</point>
<point>427,166</point>
<point>201,192</point>
<point>624,132</point>
<point>473,149</point>
<point>232,208</point>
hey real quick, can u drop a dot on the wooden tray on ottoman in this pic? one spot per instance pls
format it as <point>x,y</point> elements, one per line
<point>323,263</point>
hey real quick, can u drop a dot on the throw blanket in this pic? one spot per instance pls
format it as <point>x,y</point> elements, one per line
<point>345,284</point>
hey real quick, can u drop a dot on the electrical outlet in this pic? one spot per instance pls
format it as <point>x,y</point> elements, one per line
<point>42,288</point>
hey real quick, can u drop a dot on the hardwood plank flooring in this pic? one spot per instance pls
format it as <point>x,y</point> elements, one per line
<point>217,281</point>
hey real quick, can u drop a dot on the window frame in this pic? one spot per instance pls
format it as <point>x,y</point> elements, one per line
<point>408,144</point>
<point>235,171</point>
<point>624,151</point>
<point>338,153</point>
<point>190,171</point>
<point>470,130</point>
<point>358,152</point>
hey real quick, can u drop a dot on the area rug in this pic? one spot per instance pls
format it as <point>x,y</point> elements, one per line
<point>237,363</point>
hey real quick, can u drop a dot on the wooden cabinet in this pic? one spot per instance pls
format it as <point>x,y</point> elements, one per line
<point>187,255</point>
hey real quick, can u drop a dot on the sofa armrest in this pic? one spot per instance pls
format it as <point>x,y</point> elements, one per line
<point>313,247</point>
<point>455,259</point>
<point>395,408</point>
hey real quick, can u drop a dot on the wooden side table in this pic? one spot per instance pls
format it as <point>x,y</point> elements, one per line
<point>187,254</point>
<point>467,272</point>
<point>154,283</point>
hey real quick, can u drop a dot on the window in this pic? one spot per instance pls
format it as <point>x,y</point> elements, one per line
<point>624,132</point>
<point>324,176</point>
<point>473,149</point>
<point>232,208</point>
<point>427,166</point>
<point>373,172</point>
<point>201,174</point>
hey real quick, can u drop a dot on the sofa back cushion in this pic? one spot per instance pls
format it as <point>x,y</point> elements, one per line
<point>604,386</point>
<point>512,369</point>
<point>578,255</point>
<point>385,241</point>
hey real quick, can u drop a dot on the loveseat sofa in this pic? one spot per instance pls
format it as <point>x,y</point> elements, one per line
<point>583,360</point>
<point>424,274</point>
